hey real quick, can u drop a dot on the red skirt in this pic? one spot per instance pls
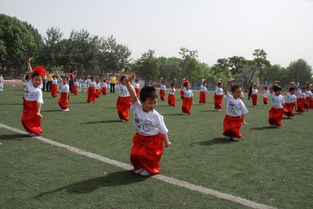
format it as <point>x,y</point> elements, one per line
<point>123,104</point>
<point>162,95</point>
<point>311,103</point>
<point>146,152</point>
<point>30,120</point>
<point>182,94</point>
<point>289,109</point>
<point>171,100</point>
<point>104,90</point>
<point>187,103</point>
<point>202,97</point>
<point>265,100</point>
<point>218,101</point>
<point>300,105</point>
<point>275,116</point>
<point>137,90</point>
<point>54,90</point>
<point>91,95</point>
<point>307,103</point>
<point>232,126</point>
<point>64,100</point>
<point>254,99</point>
<point>75,90</point>
<point>97,94</point>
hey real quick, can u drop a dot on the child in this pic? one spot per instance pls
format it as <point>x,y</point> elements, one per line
<point>235,112</point>
<point>65,94</point>
<point>311,91</point>
<point>98,87</point>
<point>104,87</point>
<point>182,89</point>
<point>1,82</point>
<point>266,94</point>
<point>85,84</point>
<point>137,86</point>
<point>75,87</point>
<point>171,96</point>
<point>308,98</point>
<point>203,92</point>
<point>188,99</point>
<point>54,86</point>
<point>254,95</point>
<point>277,111</point>
<point>32,101</point>
<point>91,90</point>
<point>291,100</point>
<point>124,101</point>
<point>151,130</point>
<point>162,90</point>
<point>218,96</point>
<point>301,97</point>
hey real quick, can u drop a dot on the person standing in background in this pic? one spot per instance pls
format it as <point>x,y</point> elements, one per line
<point>113,82</point>
<point>49,80</point>
<point>44,82</point>
<point>72,76</point>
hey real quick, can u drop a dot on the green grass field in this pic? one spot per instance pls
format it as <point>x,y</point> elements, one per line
<point>273,166</point>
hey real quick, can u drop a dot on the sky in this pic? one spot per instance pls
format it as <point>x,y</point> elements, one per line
<point>216,28</point>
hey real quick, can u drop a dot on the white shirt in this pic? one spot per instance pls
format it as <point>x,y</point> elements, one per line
<point>266,93</point>
<point>148,123</point>
<point>123,91</point>
<point>203,88</point>
<point>308,94</point>
<point>55,82</point>
<point>219,91</point>
<point>242,95</point>
<point>1,80</point>
<point>136,85</point>
<point>291,98</point>
<point>172,90</point>
<point>65,88</point>
<point>301,94</point>
<point>104,85</point>
<point>33,94</point>
<point>163,87</point>
<point>92,84</point>
<point>235,107</point>
<point>75,83</point>
<point>255,91</point>
<point>188,93</point>
<point>278,101</point>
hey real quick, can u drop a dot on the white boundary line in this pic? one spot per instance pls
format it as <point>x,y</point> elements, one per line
<point>160,177</point>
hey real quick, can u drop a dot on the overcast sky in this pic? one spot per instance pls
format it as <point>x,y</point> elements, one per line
<point>216,28</point>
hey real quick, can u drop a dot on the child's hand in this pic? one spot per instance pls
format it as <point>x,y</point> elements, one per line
<point>167,144</point>
<point>230,80</point>
<point>130,76</point>
<point>29,59</point>
<point>245,123</point>
<point>39,114</point>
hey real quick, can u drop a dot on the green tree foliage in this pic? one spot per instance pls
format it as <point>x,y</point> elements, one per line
<point>147,67</point>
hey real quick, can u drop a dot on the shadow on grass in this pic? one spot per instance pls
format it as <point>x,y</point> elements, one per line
<point>78,102</point>
<point>264,128</point>
<point>12,104</point>
<point>220,140</point>
<point>51,110</point>
<point>209,111</point>
<point>102,121</point>
<point>13,137</point>
<point>173,114</point>
<point>89,185</point>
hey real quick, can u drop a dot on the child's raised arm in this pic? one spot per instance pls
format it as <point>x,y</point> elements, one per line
<point>130,87</point>
<point>29,67</point>
<point>226,85</point>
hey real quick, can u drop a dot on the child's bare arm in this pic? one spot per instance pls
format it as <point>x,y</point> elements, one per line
<point>166,141</point>
<point>29,67</point>
<point>130,87</point>
<point>39,110</point>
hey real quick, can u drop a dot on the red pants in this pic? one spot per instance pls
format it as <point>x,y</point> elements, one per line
<point>289,109</point>
<point>232,126</point>
<point>162,95</point>
<point>187,103</point>
<point>218,101</point>
<point>104,90</point>
<point>307,103</point>
<point>300,105</point>
<point>97,94</point>
<point>171,100</point>
<point>311,103</point>
<point>137,92</point>
<point>54,90</point>
<point>182,94</point>
<point>123,104</point>
<point>75,90</point>
<point>64,100</point>
<point>202,97</point>
<point>265,100</point>
<point>275,116</point>
<point>30,120</point>
<point>146,152</point>
<point>91,95</point>
<point>254,99</point>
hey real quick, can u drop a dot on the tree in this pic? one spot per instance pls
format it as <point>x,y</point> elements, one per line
<point>259,61</point>
<point>299,71</point>
<point>170,68</point>
<point>147,67</point>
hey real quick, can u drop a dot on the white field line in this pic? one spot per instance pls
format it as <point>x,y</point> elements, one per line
<point>160,177</point>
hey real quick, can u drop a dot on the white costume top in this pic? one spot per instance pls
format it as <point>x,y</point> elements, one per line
<point>92,84</point>
<point>65,88</point>
<point>33,94</point>
<point>104,85</point>
<point>163,87</point>
<point>172,90</point>
<point>235,107</point>
<point>188,93</point>
<point>219,90</point>
<point>255,91</point>
<point>291,98</point>
<point>136,85</point>
<point>203,88</point>
<point>301,94</point>
<point>266,93</point>
<point>278,101</point>
<point>123,91</point>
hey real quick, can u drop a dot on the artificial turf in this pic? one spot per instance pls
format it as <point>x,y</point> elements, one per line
<point>273,166</point>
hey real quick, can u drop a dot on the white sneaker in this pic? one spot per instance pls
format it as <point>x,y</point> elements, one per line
<point>138,171</point>
<point>145,173</point>
<point>66,110</point>
<point>236,139</point>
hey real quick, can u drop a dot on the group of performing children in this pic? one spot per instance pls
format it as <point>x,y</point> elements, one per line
<point>151,130</point>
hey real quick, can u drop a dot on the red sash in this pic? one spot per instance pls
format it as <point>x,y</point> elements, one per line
<point>275,116</point>
<point>300,105</point>
<point>91,95</point>
<point>265,100</point>
<point>54,90</point>
<point>218,101</point>
<point>171,100</point>
<point>202,97</point>
<point>74,90</point>
<point>30,120</point>
<point>97,94</point>
<point>182,94</point>
<point>63,101</point>
<point>146,152</point>
<point>187,103</point>
<point>104,90</point>
<point>232,126</point>
<point>254,99</point>
<point>123,104</point>
<point>289,109</point>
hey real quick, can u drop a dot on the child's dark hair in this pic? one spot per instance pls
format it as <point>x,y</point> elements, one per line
<point>33,75</point>
<point>148,92</point>
<point>234,88</point>
<point>122,77</point>
<point>276,88</point>
<point>292,89</point>
<point>172,85</point>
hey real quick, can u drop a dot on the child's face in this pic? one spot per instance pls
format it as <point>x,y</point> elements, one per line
<point>277,93</point>
<point>36,81</point>
<point>293,92</point>
<point>236,93</point>
<point>188,86</point>
<point>124,81</point>
<point>149,104</point>
<point>64,80</point>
